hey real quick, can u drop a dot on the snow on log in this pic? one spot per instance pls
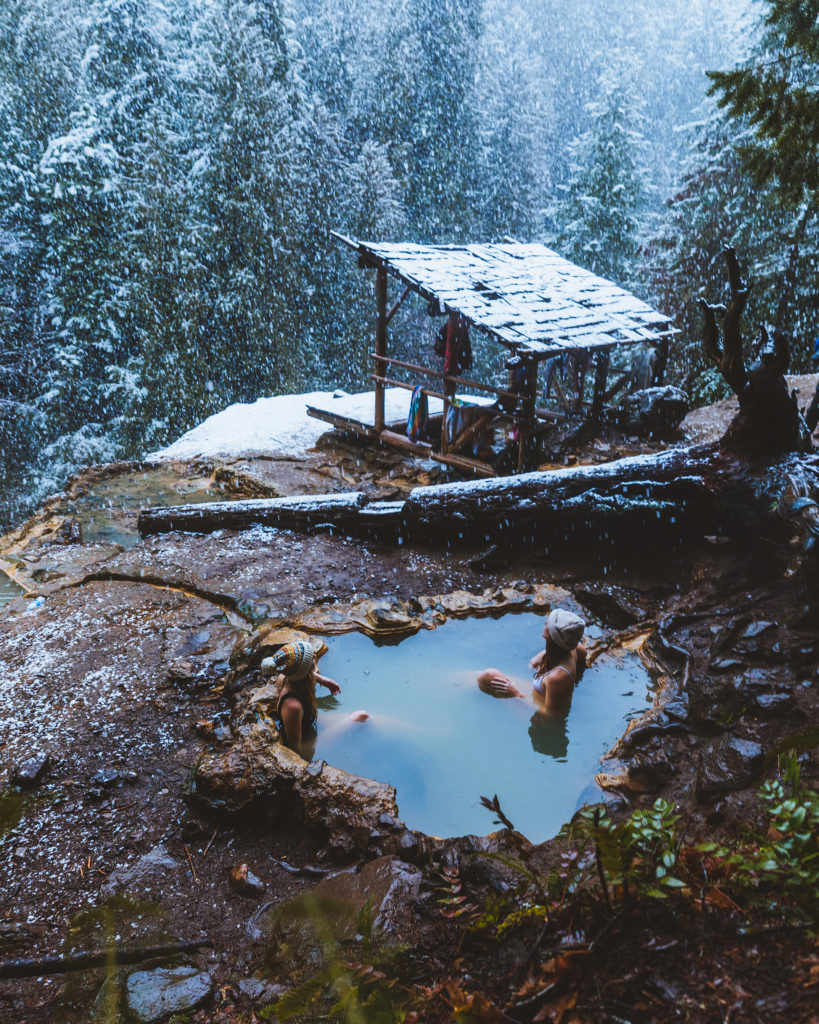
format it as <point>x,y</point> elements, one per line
<point>670,486</point>
<point>296,512</point>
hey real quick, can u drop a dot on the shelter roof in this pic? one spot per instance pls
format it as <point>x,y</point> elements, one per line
<point>525,295</point>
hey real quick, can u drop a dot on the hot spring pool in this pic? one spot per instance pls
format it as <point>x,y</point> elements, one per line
<point>443,743</point>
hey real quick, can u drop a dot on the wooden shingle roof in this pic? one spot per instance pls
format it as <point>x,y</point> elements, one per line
<point>525,295</point>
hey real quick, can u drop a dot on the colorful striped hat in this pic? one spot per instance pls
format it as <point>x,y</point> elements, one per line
<point>294,659</point>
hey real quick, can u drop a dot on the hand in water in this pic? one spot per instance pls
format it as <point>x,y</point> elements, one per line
<point>496,684</point>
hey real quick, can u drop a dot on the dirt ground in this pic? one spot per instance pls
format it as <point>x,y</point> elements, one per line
<point>91,681</point>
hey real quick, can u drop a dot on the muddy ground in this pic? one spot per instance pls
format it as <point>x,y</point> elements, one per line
<point>118,678</point>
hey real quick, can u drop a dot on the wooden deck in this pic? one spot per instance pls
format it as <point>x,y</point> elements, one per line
<point>356,414</point>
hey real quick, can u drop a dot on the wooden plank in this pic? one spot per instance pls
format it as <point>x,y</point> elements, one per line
<point>601,375</point>
<point>380,344</point>
<point>390,383</point>
<point>398,304</point>
<point>462,462</point>
<point>342,422</point>
<point>440,375</point>
<point>468,433</point>
<point>399,441</point>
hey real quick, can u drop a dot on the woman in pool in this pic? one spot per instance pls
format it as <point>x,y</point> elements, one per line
<point>557,667</point>
<point>295,668</point>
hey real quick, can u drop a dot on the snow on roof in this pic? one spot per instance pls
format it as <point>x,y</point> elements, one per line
<point>525,295</point>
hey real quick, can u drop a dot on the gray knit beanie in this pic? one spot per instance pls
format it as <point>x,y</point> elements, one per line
<point>565,628</point>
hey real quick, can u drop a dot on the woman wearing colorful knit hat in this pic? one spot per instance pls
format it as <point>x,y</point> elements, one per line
<point>557,667</point>
<point>294,665</point>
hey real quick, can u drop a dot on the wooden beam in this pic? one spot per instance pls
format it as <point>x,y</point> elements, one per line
<point>527,421</point>
<point>462,462</point>
<point>399,441</point>
<point>440,375</point>
<point>398,304</point>
<point>489,409</point>
<point>601,376</point>
<point>341,422</point>
<point>468,433</point>
<point>621,382</point>
<point>380,344</point>
<point>449,390</point>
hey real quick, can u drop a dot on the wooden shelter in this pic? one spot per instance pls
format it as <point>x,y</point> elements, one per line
<point>528,299</point>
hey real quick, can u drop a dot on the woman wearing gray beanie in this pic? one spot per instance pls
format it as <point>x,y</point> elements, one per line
<point>557,667</point>
<point>561,663</point>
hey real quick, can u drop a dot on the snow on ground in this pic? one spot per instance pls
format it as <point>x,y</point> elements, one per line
<point>279,424</point>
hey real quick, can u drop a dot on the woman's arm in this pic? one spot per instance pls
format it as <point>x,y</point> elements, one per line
<point>328,683</point>
<point>537,663</point>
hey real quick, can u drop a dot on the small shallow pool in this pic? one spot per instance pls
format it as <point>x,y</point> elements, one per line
<point>8,589</point>
<point>443,743</point>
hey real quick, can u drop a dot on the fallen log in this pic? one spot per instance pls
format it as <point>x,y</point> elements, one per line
<point>761,478</point>
<point>112,957</point>
<point>296,512</point>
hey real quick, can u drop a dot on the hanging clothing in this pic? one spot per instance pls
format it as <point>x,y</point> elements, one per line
<point>554,365</point>
<point>418,413</point>
<point>460,415</point>
<point>452,342</point>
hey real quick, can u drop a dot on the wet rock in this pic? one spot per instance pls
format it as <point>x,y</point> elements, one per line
<point>760,680</point>
<point>728,764</point>
<point>258,771</point>
<point>771,704</point>
<point>31,771</point>
<point>804,654</point>
<point>386,889</point>
<point>180,670</point>
<point>612,604</point>
<point>69,532</point>
<point>756,629</point>
<point>258,991</point>
<point>105,777</point>
<point>155,995</point>
<point>648,776</point>
<point>244,882</point>
<point>721,636</point>
<point>655,410</point>
<point>152,869</point>
<point>726,665</point>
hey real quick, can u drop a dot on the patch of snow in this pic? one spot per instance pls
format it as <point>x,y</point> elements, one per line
<point>278,424</point>
<point>281,424</point>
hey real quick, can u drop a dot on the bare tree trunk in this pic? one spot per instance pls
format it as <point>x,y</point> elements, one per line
<point>768,421</point>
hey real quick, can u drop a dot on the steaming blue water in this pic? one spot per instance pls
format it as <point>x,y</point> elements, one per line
<point>443,743</point>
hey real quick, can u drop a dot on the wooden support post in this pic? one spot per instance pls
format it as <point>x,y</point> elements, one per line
<point>380,344</point>
<point>398,304</point>
<point>528,419</point>
<point>601,376</point>
<point>449,388</point>
<point>660,362</point>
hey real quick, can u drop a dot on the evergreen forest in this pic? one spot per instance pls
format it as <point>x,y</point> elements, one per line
<point>171,170</point>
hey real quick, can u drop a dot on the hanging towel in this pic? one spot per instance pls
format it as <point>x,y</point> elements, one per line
<point>418,413</point>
